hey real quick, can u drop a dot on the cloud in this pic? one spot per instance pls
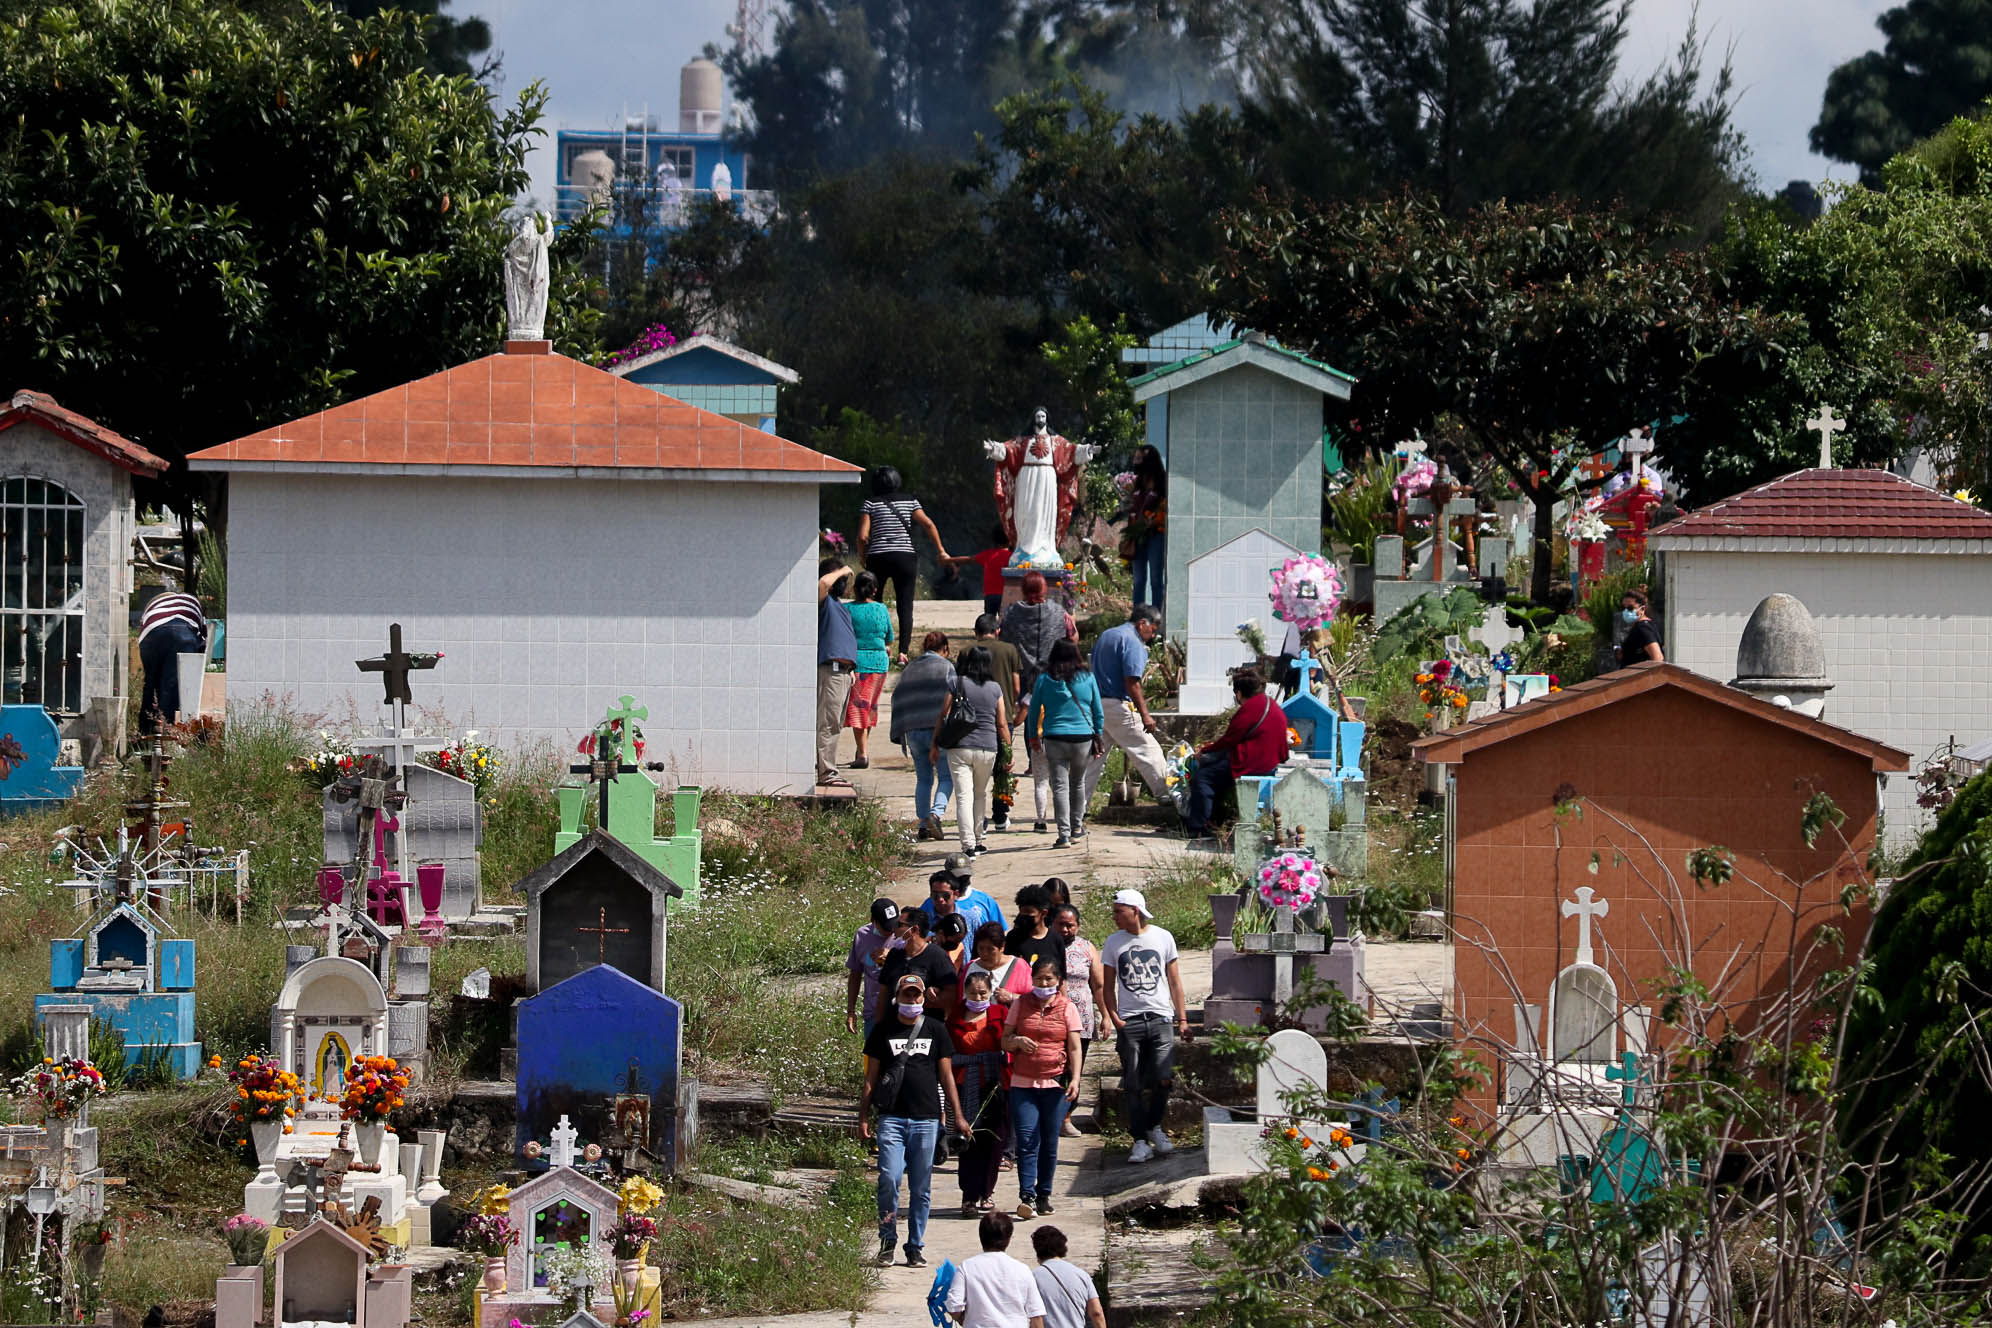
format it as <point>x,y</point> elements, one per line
<point>1781,52</point>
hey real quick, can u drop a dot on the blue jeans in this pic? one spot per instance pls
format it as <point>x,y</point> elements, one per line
<point>1212,773</point>
<point>905,1147</point>
<point>1035,1117</point>
<point>932,785</point>
<point>1151,558</point>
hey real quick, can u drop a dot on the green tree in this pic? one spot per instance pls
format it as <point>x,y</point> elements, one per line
<point>1533,325</point>
<point>453,42</point>
<point>847,81</point>
<point>219,220</point>
<point>1936,63</point>
<point>1476,100</point>
<point>1099,213</point>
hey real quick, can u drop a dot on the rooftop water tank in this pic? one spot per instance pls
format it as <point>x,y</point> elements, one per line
<point>701,97</point>
<point>594,174</point>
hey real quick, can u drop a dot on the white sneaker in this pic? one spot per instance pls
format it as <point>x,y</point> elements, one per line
<point>1141,1152</point>
<point>1159,1142</point>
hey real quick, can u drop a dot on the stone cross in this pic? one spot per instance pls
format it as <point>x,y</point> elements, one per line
<point>1584,910</point>
<point>1413,450</point>
<point>1638,445</point>
<point>1308,666</point>
<point>1444,502</point>
<point>563,1136</point>
<point>394,668</point>
<point>1286,946</point>
<point>1826,425</point>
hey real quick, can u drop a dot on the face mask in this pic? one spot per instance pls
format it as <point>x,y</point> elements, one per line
<point>912,1011</point>
<point>1044,993</point>
<point>976,1007</point>
<point>1630,615</point>
<point>896,943</point>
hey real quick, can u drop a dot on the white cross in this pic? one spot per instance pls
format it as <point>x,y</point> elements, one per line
<point>1638,445</point>
<point>1584,910</point>
<point>1825,425</point>
<point>1413,450</point>
<point>563,1136</point>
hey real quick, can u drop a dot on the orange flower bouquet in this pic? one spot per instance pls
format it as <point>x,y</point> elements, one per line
<point>374,1088</point>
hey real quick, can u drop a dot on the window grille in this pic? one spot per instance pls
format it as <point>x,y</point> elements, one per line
<point>41,595</point>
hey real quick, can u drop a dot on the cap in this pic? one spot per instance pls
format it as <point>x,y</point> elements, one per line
<point>909,980</point>
<point>960,866</point>
<point>885,914</point>
<point>1135,900</point>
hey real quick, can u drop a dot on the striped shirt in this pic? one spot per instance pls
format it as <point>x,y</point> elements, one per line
<point>891,524</point>
<point>170,608</point>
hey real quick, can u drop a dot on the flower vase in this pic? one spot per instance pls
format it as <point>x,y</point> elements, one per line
<point>429,885</point>
<point>1223,910</point>
<point>629,1272</point>
<point>494,1274</point>
<point>267,1135</point>
<point>369,1138</point>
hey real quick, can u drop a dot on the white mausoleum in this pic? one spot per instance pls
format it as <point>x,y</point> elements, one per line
<point>563,537</point>
<point>1898,580</point>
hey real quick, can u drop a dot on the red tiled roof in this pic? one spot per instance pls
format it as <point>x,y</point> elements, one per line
<point>1835,504</point>
<point>1451,745</point>
<point>86,433</point>
<point>523,409</point>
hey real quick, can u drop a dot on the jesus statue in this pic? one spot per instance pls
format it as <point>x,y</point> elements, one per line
<point>1037,486</point>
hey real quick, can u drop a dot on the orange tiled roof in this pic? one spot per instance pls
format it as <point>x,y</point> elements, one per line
<point>526,408</point>
<point>81,430</point>
<point>1835,504</point>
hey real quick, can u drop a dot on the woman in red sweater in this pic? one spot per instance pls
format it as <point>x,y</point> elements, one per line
<point>1255,743</point>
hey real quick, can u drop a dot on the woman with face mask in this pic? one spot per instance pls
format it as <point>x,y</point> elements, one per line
<point>1042,1037</point>
<point>1642,638</point>
<point>977,1032</point>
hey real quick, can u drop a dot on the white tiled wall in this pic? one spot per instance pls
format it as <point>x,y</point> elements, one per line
<point>549,599</point>
<point>1907,640</point>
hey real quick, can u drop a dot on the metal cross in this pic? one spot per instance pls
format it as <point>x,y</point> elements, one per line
<point>394,668</point>
<point>1638,445</point>
<point>1584,910</point>
<point>1825,424</point>
<point>602,933</point>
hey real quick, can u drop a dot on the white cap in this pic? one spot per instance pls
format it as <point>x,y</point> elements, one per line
<point>1135,900</point>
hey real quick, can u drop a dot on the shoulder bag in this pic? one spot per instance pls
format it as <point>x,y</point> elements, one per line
<point>893,1073</point>
<point>960,720</point>
<point>1248,732</point>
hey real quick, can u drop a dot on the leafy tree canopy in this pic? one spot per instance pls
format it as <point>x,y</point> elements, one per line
<point>1475,100</point>
<point>453,42</point>
<point>1935,64</point>
<point>1534,325</point>
<point>220,219</point>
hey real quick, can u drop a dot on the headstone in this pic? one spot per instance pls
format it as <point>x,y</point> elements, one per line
<point>37,778</point>
<point>1294,1060</point>
<point>601,1050</point>
<point>558,1209</point>
<point>596,903</point>
<point>1675,1296</point>
<point>66,1031</point>
<point>442,822</point>
<point>476,984</point>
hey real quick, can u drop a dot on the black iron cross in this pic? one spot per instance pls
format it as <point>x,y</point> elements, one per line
<point>602,771</point>
<point>395,666</point>
<point>602,934</point>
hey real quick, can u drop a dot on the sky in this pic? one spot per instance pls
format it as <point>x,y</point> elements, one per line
<point>600,57</point>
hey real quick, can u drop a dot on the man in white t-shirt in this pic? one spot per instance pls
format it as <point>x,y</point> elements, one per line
<point>994,1290</point>
<point>1144,987</point>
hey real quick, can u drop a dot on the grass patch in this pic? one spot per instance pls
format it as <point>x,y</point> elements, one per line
<point>719,1257</point>
<point>1179,897</point>
<point>1407,858</point>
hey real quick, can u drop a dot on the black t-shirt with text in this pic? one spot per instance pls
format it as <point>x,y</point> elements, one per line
<point>932,965</point>
<point>925,1045</point>
<point>1031,949</point>
<point>1640,635</point>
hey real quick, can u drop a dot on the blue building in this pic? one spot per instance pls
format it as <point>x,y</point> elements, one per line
<point>670,170</point>
<point>714,375</point>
